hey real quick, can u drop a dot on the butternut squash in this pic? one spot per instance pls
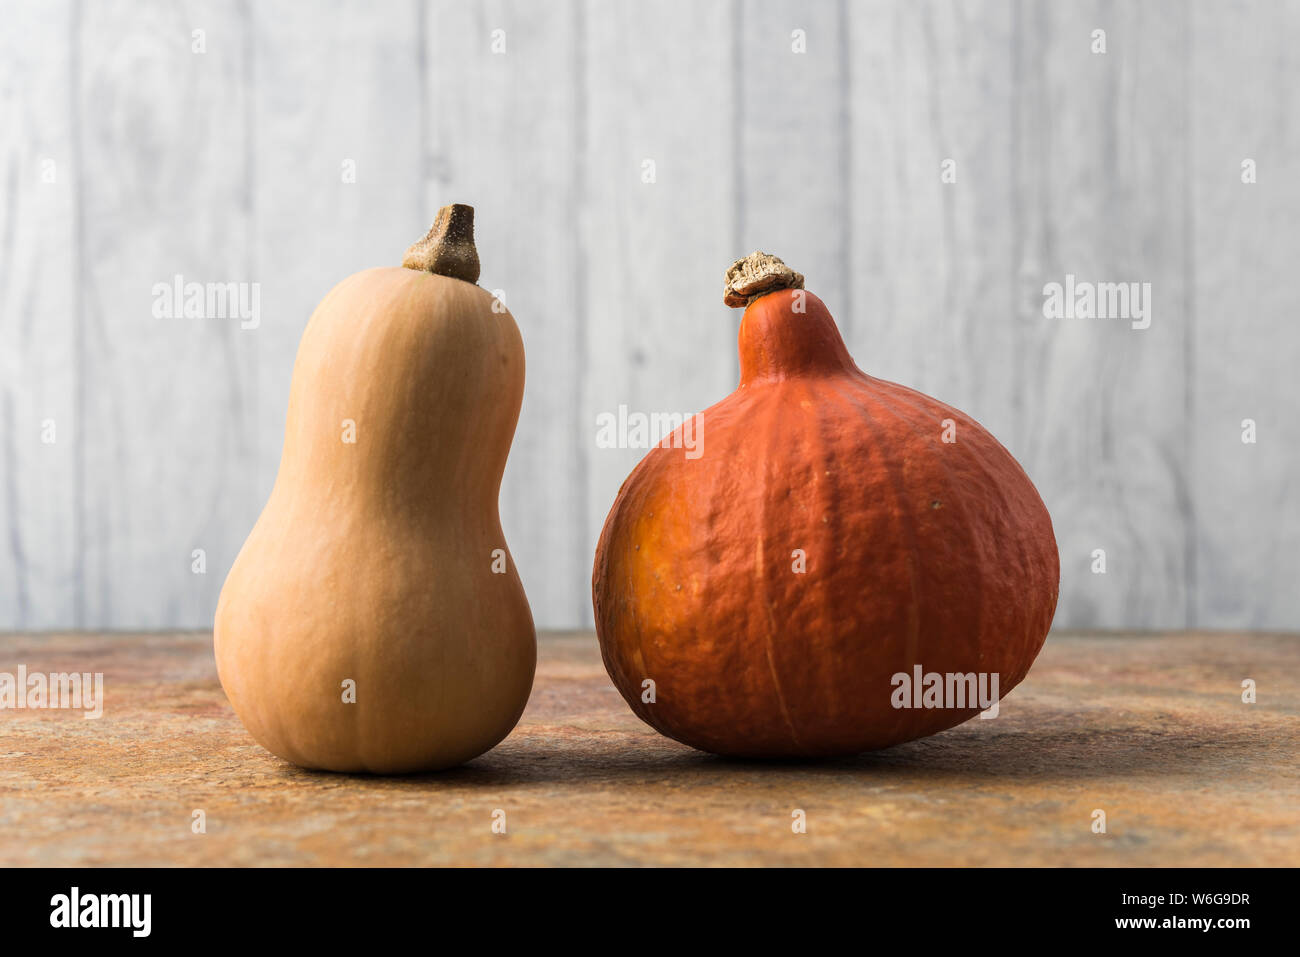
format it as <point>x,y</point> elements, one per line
<point>373,620</point>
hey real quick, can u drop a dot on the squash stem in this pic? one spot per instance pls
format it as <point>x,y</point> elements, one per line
<point>757,275</point>
<point>448,249</point>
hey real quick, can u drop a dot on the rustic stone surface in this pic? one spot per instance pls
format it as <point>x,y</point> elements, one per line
<point>1149,728</point>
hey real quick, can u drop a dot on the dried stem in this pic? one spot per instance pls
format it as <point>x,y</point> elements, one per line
<point>756,275</point>
<point>448,249</point>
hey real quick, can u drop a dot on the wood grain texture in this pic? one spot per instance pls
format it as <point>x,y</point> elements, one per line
<point>228,166</point>
<point>1150,729</point>
<point>40,561</point>
<point>794,137</point>
<point>166,424</point>
<point>1101,180</point>
<point>932,291</point>
<point>1245,351</point>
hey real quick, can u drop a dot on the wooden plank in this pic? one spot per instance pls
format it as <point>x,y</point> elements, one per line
<point>1246,348</point>
<point>166,459</point>
<point>931,85</point>
<point>793,148</point>
<point>226,166</point>
<point>1099,177</point>
<point>659,87</point>
<point>1057,171</point>
<point>39,555</point>
<point>500,127</point>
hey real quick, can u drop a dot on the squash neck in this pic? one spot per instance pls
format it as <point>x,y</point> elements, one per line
<point>790,333</point>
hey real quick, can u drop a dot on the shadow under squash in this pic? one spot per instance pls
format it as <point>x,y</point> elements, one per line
<point>559,756</point>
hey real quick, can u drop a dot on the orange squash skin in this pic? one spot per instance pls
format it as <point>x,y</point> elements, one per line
<point>917,552</point>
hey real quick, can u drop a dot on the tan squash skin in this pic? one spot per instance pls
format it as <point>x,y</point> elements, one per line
<point>373,561</point>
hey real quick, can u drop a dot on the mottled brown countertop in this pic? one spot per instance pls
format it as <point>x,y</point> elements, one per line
<point>1149,728</point>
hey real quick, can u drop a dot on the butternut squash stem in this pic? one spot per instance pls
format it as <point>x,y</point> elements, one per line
<point>448,249</point>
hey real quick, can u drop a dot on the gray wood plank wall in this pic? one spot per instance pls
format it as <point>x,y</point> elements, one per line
<point>620,155</point>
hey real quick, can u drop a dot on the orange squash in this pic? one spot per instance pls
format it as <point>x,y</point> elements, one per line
<point>832,532</point>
